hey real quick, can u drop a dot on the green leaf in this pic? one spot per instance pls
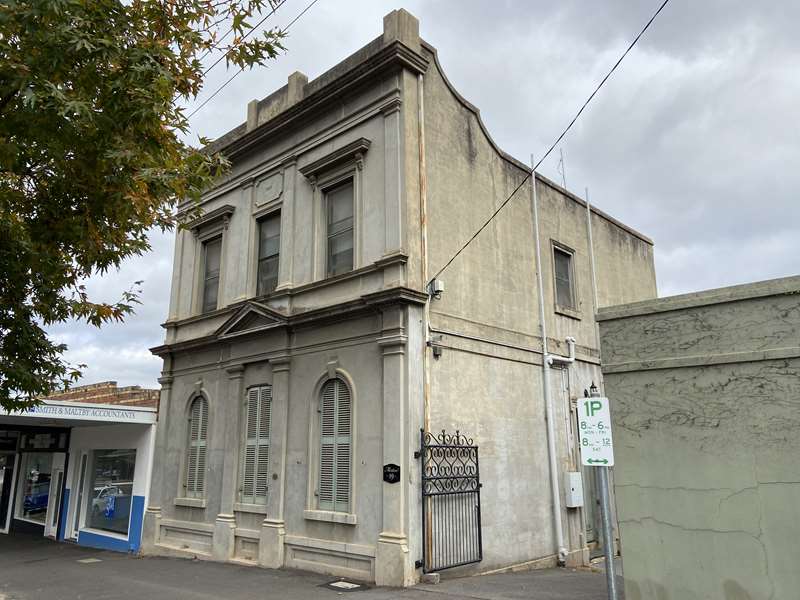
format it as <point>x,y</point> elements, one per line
<point>91,158</point>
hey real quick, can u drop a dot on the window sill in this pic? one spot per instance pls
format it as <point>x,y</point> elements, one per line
<point>329,516</point>
<point>191,502</point>
<point>260,509</point>
<point>567,312</point>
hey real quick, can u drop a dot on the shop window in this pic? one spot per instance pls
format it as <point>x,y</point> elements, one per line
<point>255,467</point>
<point>335,447</point>
<point>35,487</point>
<point>110,496</point>
<point>195,481</point>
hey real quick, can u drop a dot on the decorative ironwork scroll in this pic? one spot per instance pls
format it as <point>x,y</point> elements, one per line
<point>451,501</point>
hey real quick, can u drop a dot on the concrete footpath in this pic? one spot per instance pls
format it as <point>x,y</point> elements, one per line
<point>34,568</point>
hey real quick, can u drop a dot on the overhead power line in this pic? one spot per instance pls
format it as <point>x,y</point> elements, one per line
<point>237,73</point>
<point>555,143</point>
<point>275,6</point>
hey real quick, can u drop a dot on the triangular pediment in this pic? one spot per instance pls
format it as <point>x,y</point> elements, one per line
<point>249,318</point>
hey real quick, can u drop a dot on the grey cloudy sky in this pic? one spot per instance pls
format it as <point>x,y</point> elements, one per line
<point>693,141</point>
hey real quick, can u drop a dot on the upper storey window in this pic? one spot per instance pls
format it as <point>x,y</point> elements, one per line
<point>337,186</point>
<point>564,278</point>
<point>339,201</point>
<point>212,252</point>
<point>209,231</point>
<point>268,253</point>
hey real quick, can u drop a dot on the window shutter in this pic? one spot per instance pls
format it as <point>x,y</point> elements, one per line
<point>255,471</point>
<point>327,445</point>
<point>342,501</point>
<point>196,453</point>
<point>335,447</point>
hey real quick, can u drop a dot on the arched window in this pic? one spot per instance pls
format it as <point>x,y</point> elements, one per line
<point>255,462</point>
<point>195,482</point>
<point>335,446</point>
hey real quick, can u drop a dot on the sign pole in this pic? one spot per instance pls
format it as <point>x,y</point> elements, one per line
<point>608,530</point>
<point>597,450</point>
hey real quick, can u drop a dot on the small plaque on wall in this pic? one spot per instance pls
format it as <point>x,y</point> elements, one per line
<point>391,473</point>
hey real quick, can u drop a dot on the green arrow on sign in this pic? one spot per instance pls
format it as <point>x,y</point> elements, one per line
<point>592,461</point>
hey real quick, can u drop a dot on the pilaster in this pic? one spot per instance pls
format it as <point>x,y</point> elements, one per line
<point>273,531</point>
<point>286,264</point>
<point>393,565</point>
<point>225,523</point>
<point>393,180</point>
<point>152,516</point>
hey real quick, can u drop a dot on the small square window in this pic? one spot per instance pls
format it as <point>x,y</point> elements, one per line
<point>269,245</point>
<point>340,229</point>
<point>564,285</point>
<point>212,250</point>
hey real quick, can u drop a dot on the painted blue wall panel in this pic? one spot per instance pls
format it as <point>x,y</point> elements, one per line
<point>137,518</point>
<point>107,542</point>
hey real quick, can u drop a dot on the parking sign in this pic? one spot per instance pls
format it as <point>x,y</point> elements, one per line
<point>594,422</point>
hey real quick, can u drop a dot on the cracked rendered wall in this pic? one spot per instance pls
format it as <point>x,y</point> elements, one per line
<point>705,396</point>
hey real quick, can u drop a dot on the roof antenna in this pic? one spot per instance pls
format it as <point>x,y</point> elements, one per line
<point>561,167</point>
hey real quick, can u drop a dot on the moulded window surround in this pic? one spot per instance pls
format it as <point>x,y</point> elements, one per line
<point>212,262</point>
<point>194,475</point>
<point>337,221</point>
<point>334,473</point>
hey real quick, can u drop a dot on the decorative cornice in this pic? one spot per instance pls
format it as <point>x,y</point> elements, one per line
<point>364,304</point>
<point>354,151</point>
<point>280,364</point>
<point>289,161</point>
<point>222,213</point>
<point>393,342</point>
<point>395,55</point>
<point>392,107</point>
<point>394,296</point>
<point>235,371</point>
<point>392,259</point>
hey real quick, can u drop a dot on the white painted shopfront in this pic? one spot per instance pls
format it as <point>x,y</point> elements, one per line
<point>75,471</point>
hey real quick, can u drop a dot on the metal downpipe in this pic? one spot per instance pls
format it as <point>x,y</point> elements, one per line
<point>548,402</point>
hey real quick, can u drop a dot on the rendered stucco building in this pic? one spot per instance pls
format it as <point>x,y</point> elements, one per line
<point>303,354</point>
<point>705,402</point>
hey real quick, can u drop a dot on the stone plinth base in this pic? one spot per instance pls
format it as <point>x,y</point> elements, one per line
<point>271,545</point>
<point>224,537</point>
<point>393,566</point>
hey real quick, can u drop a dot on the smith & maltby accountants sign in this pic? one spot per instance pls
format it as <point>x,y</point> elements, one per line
<point>84,412</point>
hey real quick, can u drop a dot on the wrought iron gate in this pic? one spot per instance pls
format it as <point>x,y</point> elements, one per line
<point>451,501</point>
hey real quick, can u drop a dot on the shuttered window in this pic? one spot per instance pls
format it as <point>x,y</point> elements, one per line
<point>255,463</point>
<point>335,447</point>
<point>196,452</point>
